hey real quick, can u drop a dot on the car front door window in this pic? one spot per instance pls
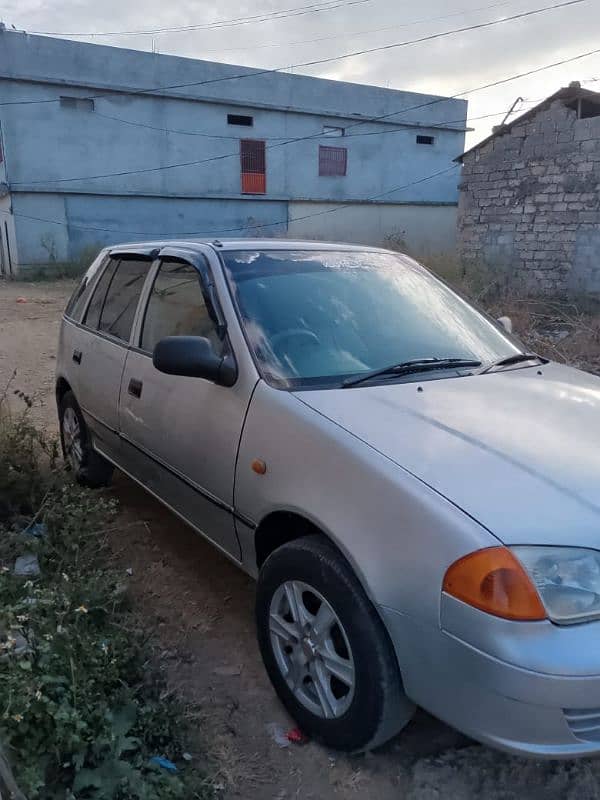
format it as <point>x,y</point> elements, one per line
<point>176,307</point>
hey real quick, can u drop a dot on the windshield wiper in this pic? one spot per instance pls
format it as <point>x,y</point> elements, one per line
<point>406,367</point>
<point>516,359</point>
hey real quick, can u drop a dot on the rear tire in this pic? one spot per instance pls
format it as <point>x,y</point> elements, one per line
<point>88,467</point>
<point>326,650</point>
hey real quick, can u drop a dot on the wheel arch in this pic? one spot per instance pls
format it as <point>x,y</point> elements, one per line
<point>281,526</point>
<point>278,528</point>
<point>62,387</point>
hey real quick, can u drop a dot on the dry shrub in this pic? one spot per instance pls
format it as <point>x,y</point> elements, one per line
<point>565,331</point>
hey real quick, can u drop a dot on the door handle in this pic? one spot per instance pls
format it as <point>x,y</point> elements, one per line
<point>135,388</point>
<point>77,356</point>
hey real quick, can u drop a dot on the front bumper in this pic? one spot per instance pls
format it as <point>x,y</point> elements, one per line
<point>533,689</point>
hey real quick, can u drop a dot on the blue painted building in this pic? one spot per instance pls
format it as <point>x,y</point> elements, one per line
<point>102,144</point>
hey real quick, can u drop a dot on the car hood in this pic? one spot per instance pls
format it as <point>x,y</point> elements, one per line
<point>517,450</point>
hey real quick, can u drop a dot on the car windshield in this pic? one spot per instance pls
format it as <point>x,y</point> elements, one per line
<point>315,318</point>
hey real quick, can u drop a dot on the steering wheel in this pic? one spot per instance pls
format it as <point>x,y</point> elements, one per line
<point>282,336</point>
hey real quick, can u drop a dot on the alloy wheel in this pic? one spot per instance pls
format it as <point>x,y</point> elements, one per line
<point>71,430</point>
<point>311,649</point>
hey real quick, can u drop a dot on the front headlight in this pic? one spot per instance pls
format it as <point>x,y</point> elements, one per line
<point>567,580</point>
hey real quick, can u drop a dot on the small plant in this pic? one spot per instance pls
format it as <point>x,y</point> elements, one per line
<point>54,269</point>
<point>396,240</point>
<point>82,710</point>
<point>48,242</point>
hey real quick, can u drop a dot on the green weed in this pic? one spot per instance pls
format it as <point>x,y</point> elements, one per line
<point>82,708</point>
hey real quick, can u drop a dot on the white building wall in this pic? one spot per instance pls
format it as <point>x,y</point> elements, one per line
<point>422,230</point>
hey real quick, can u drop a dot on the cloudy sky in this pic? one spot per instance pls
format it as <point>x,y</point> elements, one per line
<point>444,66</point>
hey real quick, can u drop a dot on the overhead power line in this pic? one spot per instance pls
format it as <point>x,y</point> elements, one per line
<point>267,16</point>
<point>245,228</point>
<point>204,134</point>
<point>499,82</point>
<point>335,209</point>
<point>256,73</point>
<point>432,36</point>
<point>355,34</point>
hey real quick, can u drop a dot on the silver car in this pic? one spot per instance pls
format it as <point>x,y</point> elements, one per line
<point>417,496</point>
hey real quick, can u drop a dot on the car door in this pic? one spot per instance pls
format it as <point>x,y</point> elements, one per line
<point>72,334</point>
<point>100,347</point>
<point>180,435</point>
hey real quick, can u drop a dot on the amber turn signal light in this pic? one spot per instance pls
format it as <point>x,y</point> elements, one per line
<point>493,580</point>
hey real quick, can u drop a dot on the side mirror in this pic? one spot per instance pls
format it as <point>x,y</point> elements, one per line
<point>193,357</point>
<point>506,323</point>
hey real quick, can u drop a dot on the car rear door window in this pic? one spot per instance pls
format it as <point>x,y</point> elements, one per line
<point>81,294</point>
<point>120,304</point>
<point>176,307</point>
<point>92,317</point>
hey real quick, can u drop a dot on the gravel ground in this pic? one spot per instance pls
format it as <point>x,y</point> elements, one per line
<point>203,609</point>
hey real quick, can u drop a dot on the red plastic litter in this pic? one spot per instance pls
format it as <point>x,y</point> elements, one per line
<point>21,299</point>
<point>296,736</point>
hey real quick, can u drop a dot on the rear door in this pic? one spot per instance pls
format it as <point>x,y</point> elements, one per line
<point>68,361</point>
<point>101,347</point>
<point>180,435</point>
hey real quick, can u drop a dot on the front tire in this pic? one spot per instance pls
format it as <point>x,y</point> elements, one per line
<point>88,467</point>
<point>326,650</point>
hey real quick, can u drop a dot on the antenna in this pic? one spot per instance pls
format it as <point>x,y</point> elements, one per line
<point>510,110</point>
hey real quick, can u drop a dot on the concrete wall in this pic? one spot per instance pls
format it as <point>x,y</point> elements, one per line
<point>177,158</point>
<point>425,230</point>
<point>60,227</point>
<point>529,205</point>
<point>47,146</point>
<point>60,61</point>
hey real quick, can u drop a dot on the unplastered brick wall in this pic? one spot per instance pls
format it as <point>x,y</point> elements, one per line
<point>529,206</point>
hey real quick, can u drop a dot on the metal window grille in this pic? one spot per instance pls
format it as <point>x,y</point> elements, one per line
<point>253,163</point>
<point>425,139</point>
<point>332,160</point>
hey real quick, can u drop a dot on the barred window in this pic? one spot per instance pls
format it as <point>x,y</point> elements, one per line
<point>332,160</point>
<point>253,163</point>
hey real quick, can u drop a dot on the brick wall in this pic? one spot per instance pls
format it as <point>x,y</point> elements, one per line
<point>529,205</point>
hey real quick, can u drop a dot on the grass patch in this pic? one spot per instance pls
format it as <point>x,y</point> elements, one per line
<point>82,708</point>
<point>58,270</point>
<point>65,270</point>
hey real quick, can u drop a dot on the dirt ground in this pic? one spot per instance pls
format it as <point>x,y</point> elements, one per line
<point>203,607</point>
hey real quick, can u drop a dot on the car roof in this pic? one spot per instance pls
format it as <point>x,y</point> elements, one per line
<point>221,245</point>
